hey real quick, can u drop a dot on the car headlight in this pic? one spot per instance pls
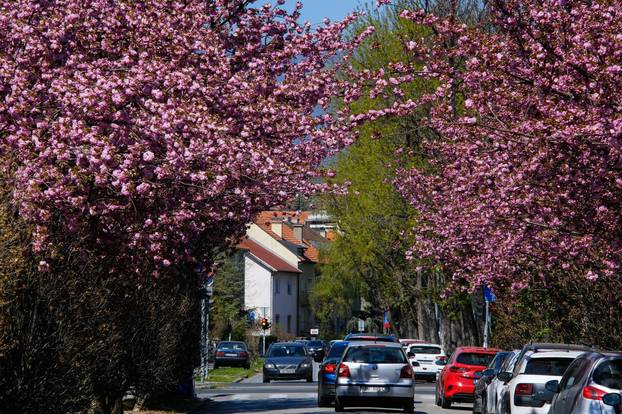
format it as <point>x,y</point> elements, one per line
<point>270,366</point>
<point>305,365</point>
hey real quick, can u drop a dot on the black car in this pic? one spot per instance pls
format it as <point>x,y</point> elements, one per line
<point>317,349</point>
<point>327,374</point>
<point>288,361</point>
<point>481,385</point>
<point>232,354</point>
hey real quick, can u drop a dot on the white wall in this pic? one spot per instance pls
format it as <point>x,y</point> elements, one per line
<point>285,304</point>
<point>257,286</point>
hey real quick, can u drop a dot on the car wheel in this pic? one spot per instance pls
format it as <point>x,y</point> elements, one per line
<point>338,406</point>
<point>445,402</point>
<point>323,402</point>
<point>215,366</point>
<point>247,366</point>
<point>266,380</point>
<point>437,398</point>
<point>310,379</point>
<point>409,407</point>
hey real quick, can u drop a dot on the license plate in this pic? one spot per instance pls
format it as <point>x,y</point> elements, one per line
<point>231,355</point>
<point>373,389</point>
<point>288,371</point>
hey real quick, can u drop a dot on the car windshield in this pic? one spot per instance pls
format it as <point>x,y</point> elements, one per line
<point>499,360</point>
<point>315,343</point>
<point>336,351</point>
<point>547,366</point>
<point>430,350</point>
<point>372,338</point>
<point>375,355</point>
<point>287,351</point>
<point>609,374</point>
<point>472,358</point>
<point>234,346</point>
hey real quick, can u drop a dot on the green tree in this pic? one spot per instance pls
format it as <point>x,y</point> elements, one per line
<point>228,314</point>
<point>368,258</point>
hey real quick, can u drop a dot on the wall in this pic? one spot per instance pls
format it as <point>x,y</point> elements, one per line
<point>285,304</point>
<point>257,286</point>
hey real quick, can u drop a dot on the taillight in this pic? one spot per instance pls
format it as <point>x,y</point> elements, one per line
<point>458,369</point>
<point>593,393</point>
<point>524,389</point>
<point>220,354</point>
<point>441,358</point>
<point>244,354</point>
<point>329,368</point>
<point>407,372</point>
<point>344,371</point>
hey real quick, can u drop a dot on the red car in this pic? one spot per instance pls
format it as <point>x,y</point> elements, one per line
<point>456,380</point>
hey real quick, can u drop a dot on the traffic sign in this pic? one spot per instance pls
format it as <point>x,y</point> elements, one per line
<point>489,296</point>
<point>314,331</point>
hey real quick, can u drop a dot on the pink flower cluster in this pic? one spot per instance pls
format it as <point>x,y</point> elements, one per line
<point>154,131</point>
<point>525,175</point>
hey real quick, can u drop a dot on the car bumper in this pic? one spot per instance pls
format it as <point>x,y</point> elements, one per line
<point>531,410</point>
<point>463,390</point>
<point>275,374</point>
<point>402,391</point>
<point>327,391</point>
<point>231,361</point>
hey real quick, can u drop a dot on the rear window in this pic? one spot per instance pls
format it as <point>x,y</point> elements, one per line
<point>337,350</point>
<point>547,366</point>
<point>417,349</point>
<point>232,345</point>
<point>375,355</point>
<point>472,358</point>
<point>609,374</point>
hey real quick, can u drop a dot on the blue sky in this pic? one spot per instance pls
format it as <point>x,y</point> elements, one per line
<point>315,10</point>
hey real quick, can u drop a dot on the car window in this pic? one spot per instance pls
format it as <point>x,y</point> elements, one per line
<point>573,373</point>
<point>430,350</point>
<point>375,355</point>
<point>336,351</point>
<point>499,360</point>
<point>287,351</point>
<point>315,343</point>
<point>234,346</point>
<point>547,366</point>
<point>473,358</point>
<point>609,374</point>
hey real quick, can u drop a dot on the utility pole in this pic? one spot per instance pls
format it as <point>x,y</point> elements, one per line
<point>205,305</point>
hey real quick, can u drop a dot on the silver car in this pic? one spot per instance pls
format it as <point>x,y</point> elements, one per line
<point>586,381</point>
<point>375,374</point>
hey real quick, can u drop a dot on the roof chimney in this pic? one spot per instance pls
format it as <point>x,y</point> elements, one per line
<point>297,230</point>
<point>276,225</point>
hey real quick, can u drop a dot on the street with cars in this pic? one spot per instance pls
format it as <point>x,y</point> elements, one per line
<point>379,373</point>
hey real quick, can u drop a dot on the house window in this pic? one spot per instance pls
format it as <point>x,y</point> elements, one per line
<point>277,318</point>
<point>277,286</point>
<point>309,283</point>
<point>289,323</point>
<point>289,287</point>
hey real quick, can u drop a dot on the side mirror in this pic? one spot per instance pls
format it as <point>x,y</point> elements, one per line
<point>410,354</point>
<point>488,373</point>
<point>613,399</point>
<point>505,376</point>
<point>478,374</point>
<point>552,386</point>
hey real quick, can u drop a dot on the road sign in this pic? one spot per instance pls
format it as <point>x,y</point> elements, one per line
<point>387,324</point>
<point>489,296</point>
<point>314,331</point>
<point>361,325</point>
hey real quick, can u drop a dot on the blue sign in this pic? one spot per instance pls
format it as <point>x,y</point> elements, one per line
<point>251,316</point>
<point>489,296</point>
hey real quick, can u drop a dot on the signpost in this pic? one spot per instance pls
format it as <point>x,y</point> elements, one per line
<point>489,296</point>
<point>314,331</point>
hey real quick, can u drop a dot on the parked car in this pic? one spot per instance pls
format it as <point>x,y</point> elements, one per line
<point>327,373</point>
<point>537,364</point>
<point>372,374</point>
<point>427,360</point>
<point>287,361</point>
<point>406,342</point>
<point>456,380</point>
<point>317,349</point>
<point>495,392</point>
<point>232,354</point>
<point>484,380</point>
<point>370,337</point>
<point>586,381</point>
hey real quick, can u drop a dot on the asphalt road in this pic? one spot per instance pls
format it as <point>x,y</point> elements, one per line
<point>293,397</point>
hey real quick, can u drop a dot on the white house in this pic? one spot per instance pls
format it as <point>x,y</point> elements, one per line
<point>280,257</point>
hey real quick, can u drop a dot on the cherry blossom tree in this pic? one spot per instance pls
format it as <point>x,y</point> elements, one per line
<point>524,182</point>
<point>154,131</point>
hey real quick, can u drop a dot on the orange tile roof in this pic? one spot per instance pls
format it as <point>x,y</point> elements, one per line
<point>267,257</point>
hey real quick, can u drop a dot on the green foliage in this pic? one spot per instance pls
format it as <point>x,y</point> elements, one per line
<point>228,315</point>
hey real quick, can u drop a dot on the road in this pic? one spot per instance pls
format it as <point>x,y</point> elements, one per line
<point>295,397</point>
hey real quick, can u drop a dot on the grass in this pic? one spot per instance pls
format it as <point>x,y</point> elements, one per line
<point>231,374</point>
